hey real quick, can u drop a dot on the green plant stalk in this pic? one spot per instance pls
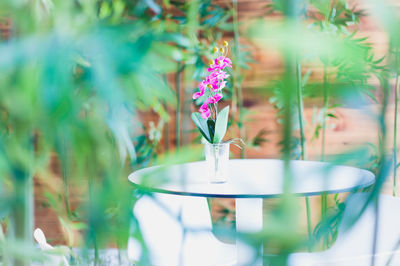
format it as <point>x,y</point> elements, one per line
<point>64,164</point>
<point>166,132</point>
<point>166,127</point>
<point>3,254</point>
<point>300,111</point>
<point>91,229</point>
<point>216,155</point>
<point>324,198</point>
<point>325,108</point>
<point>178,105</point>
<point>383,163</point>
<point>191,32</point>
<point>236,83</point>
<point>22,213</point>
<point>396,100</point>
<point>290,8</point>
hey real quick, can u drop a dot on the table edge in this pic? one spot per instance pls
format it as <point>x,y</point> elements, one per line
<point>212,195</point>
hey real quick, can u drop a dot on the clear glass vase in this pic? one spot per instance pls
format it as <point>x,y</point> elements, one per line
<point>217,158</point>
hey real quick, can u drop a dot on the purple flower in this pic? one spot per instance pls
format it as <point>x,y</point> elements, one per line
<point>214,99</point>
<point>213,83</point>
<point>222,85</point>
<point>202,89</point>
<point>220,63</point>
<point>205,111</point>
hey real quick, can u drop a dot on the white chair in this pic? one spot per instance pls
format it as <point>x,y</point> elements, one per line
<point>163,220</point>
<point>353,245</point>
<point>51,259</point>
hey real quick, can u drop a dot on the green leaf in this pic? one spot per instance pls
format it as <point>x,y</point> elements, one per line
<point>323,6</point>
<point>305,78</point>
<point>201,124</point>
<point>221,125</point>
<point>211,128</point>
<point>331,115</point>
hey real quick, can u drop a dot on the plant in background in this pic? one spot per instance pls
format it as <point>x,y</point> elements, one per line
<point>334,20</point>
<point>76,92</point>
<point>342,76</point>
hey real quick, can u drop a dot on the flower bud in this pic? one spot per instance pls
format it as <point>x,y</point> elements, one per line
<point>221,50</point>
<point>215,49</point>
<point>225,43</point>
<point>211,62</point>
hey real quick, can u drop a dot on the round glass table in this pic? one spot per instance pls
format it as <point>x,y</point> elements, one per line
<point>251,180</point>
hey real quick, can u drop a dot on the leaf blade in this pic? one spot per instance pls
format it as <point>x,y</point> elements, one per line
<point>211,128</point>
<point>221,125</point>
<point>201,125</point>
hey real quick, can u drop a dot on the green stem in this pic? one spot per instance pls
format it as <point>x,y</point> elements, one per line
<point>166,127</point>
<point>166,131</point>
<point>324,110</point>
<point>216,153</point>
<point>383,163</point>
<point>3,254</point>
<point>191,31</point>
<point>300,106</point>
<point>236,83</point>
<point>64,165</point>
<point>22,213</point>
<point>96,248</point>
<point>324,200</point>
<point>92,202</point>
<point>300,111</point>
<point>178,105</point>
<point>395,129</point>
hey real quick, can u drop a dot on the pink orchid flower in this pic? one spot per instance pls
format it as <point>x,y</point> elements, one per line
<point>220,63</point>
<point>215,99</point>
<point>222,85</point>
<point>213,84</point>
<point>205,111</point>
<point>202,89</point>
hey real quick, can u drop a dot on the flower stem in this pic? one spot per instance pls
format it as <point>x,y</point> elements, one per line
<point>216,147</point>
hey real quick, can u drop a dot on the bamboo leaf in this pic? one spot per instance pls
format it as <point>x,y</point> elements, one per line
<point>201,124</point>
<point>331,115</point>
<point>305,78</point>
<point>221,125</point>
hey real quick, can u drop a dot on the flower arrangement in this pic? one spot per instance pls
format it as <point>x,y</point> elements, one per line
<point>212,123</point>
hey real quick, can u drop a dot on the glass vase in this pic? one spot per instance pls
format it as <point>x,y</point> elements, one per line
<point>217,158</point>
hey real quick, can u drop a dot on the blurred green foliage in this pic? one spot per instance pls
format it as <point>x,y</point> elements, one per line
<point>77,76</point>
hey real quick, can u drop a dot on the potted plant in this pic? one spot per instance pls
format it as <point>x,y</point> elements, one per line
<point>211,122</point>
